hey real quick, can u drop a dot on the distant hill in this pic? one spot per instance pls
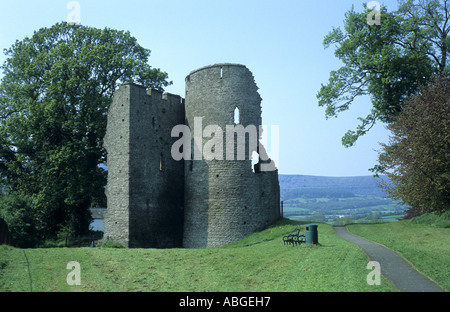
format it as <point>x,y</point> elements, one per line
<point>331,199</point>
<point>347,186</point>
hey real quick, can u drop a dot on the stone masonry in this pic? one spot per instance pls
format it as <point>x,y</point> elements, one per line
<point>155,201</point>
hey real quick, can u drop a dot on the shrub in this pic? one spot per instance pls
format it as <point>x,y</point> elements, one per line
<point>417,159</point>
<point>434,219</point>
<point>111,244</point>
<point>17,212</point>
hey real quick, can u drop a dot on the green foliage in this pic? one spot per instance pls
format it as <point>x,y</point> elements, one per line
<point>433,219</point>
<point>54,98</point>
<point>344,221</point>
<point>417,158</point>
<point>387,62</point>
<point>4,249</point>
<point>18,213</point>
<point>111,244</point>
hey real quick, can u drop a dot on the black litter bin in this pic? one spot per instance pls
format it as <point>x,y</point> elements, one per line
<point>311,235</point>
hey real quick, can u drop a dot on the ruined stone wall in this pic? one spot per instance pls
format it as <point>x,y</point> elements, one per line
<point>145,185</point>
<point>154,201</point>
<point>225,200</point>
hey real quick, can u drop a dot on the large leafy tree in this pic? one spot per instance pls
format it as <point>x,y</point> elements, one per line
<point>417,159</point>
<point>387,61</point>
<point>54,98</point>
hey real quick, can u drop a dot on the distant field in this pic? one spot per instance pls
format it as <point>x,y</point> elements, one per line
<point>343,211</point>
<point>337,200</point>
<point>257,263</point>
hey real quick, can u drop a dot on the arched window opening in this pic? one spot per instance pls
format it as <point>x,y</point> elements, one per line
<point>255,160</point>
<point>236,116</point>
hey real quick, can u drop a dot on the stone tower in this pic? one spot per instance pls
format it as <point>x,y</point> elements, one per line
<point>225,199</point>
<point>145,185</point>
<point>157,201</point>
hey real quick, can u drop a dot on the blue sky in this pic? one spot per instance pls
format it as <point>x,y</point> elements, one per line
<point>279,41</point>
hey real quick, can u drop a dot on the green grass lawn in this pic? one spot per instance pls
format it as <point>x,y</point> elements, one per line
<point>426,247</point>
<point>257,263</point>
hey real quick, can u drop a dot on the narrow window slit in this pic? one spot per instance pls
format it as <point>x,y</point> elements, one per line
<point>236,116</point>
<point>161,162</point>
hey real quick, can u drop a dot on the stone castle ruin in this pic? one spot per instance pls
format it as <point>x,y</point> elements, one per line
<point>155,200</point>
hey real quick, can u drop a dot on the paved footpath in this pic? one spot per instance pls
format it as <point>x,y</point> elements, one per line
<point>393,267</point>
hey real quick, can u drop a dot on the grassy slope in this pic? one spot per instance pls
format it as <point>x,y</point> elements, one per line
<point>427,248</point>
<point>257,263</point>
